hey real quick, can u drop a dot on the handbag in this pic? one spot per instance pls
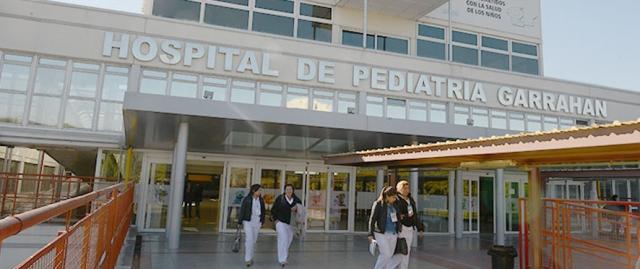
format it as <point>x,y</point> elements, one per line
<point>401,246</point>
<point>236,243</point>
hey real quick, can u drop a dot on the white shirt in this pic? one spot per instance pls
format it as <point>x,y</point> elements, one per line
<point>409,207</point>
<point>289,200</point>
<point>256,210</point>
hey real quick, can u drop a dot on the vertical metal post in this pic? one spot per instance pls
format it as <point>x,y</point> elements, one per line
<point>172,189</point>
<point>500,207</point>
<point>177,193</point>
<point>535,217</point>
<point>413,184</point>
<point>364,24</point>
<point>6,167</point>
<point>451,201</point>
<point>459,196</point>
<point>379,180</point>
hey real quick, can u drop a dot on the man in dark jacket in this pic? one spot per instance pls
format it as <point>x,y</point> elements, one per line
<point>408,218</point>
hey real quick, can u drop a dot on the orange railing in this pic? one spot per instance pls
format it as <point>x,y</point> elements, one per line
<point>23,192</point>
<point>583,234</point>
<point>94,241</point>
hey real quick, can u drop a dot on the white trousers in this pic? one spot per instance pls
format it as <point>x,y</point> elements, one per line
<point>386,246</point>
<point>250,238</point>
<point>285,236</point>
<point>407,233</point>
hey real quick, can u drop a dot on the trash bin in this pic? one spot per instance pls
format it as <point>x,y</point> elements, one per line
<point>502,256</point>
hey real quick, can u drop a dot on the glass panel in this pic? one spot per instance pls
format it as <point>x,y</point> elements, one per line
<point>374,109</point>
<point>524,48</point>
<point>79,114</point>
<point>296,100</point>
<point>419,114</point>
<point>550,123</point>
<point>511,198</point>
<point>270,99</point>
<point>177,9</point>
<point>351,38</point>
<point>14,77</point>
<point>18,58</point>
<point>11,107</point>
<point>433,200</point>
<point>635,190</point>
<point>534,123</point>
<point>396,109</point>
<point>431,31</point>
<point>461,115</point>
<point>465,38</point>
<point>228,17</point>
<point>214,92</point>
<point>83,84</point>
<point>49,81</point>
<point>316,200</point>
<point>465,55</point>
<point>516,122</point>
<point>392,44</point>
<point>114,87</point>
<point>237,2</point>
<point>339,211</point>
<point>277,5</point>
<point>438,113</point>
<point>272,24</point>
<point>480,117</point>
<point>494,43</point>
<point>44,110</point>
<point>322,104</point>
<point>157,204</point>
<point>238,186</point>
<point>270,180</point>
<point>524,65</point>
<point>110,117</point>
<point>622,189</point>
<point>495,60</point>
<point>314,30</point>
<point>315,11</point>
<point>184,89</point>
<point>498,122</point>
<point>431,49</point>
<point>153,86</point>
<point>242,95</point>
<point>347,107</point>
<point>294,178</point>
<point>365,196</point>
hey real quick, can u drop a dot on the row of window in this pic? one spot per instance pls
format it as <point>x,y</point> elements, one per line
<point>61,93</point>
<point>477,49</point>
<point>420,110</point>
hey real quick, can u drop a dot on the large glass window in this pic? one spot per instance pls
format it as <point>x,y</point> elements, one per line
<point>314,30</point>
<point>366,186</point>
<point>498,119</point>
<point>177,9</point>
<point>566,123</point>
<point>480,117</point>
<point>276,5</point>
<point>392,44</point>
<point>461,115</point>
<point>375,106</point>
<point>11,107</point>
<point>270,95</point>
<point>44,111</point>
<point>15,77</point>
<point>431,49</point>
<point>347,103</point>
<point>465,55</point>
<point>50,77</point>
<point>79,114</point>
<point>115,82</point>
<point>214,89</point>
<point>438,112</point>
<point>522,48</point>
<point>550,123</point>
<point>297,98</point>
<point>495,43</point>
<point>431,31</point>
<point>339,210</point>
<point>153,82</point>
<point>351,38</point>
<point>433,200</point>
<point>396,108</point>
<point>225,16</point>
<point>272,24</point>
<point>524,65</point>
<point>243,92</point>
<point>465,38</point>
<point>322,100</point>
<point>315,11</point>
<point>534,123</point>
<point>110,117</point>
<point>417,110</point>
<point>84,80</point>
<point>184,85</point>
<point>495,60</point>
<point>516,121</point>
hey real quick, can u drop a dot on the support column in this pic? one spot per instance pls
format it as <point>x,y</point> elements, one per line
<point>413,185</point>
<point>500,207</point>
<point>179,178</point>
<point>451,201</point>
<point>6,166</point>
<point>379,180</point>
<point>365,23</point>
<point>171,213</point>
<point>459,196</point>
<point>535,216</point>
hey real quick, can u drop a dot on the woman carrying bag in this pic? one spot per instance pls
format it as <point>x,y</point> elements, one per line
<point>251,217</point>
<point>408,219</point>
<point>281,210</point>
<point>384,227</point>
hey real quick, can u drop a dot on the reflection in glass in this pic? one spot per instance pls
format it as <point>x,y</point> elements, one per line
<point>14,77</point>
<point>83,84</point>
<point>339,211</point>
<point>44,111</point>
<point>238,188</point>
<point>272,24</point>
<point>158,196</point>
<point>270,181</point>
<point>11,107</point>
<point>433,200</point>
<point>316,200</point>
<point>430,49</point>
<point>110,117</point>
<point>228,17</point>
<point>78,114</point>
<point>365,195</point>
<point>314,30</point>
<point>114,87</point>
<point>153,86</point>
<point>49,81</point>
<point>184,89</point>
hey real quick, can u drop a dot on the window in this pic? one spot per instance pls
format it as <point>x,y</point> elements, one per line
<point>534,123</point>
<point>495,43</point>
<point>495,60</point>
<point>44,111</point>
<point>480,117</point>
<point>524,49</point>
<point>461,115</point>
<point>153,82</point>
<point>114,84</point>
<point>227,17</point>
<point>79,114</point>
<point>314,30</point>
<point>465,55</point>
<point>243,92</point>
<point>516,121</point>
<point>79,108</point>
<point>214,89</point>
<point>276,5</point>
<point>347,103</point>
<point>417,110</point>
<point>465,38</point>
<point>11,107</point>
<point>15,72</point>
<point>566,123</point>
<point>375,106</point>
<point>110,117</point>
<point>351,38</point>
<point>322,100</point>
<point>524,65</point>
<point>177,9</point>
<point>315,11</point>
<point>272,24</point>
<point>270,95</point>
<point>431,49</point>
<point>550,123</point>
<point>184,85</point>
<point>396,108</point>
<point>438,112</point>
<point>498,119</point>
<point>430,31</point>
<point>378,42</point>
<point>84,80</point>
<point>297,98</point>
<point>50,77</point>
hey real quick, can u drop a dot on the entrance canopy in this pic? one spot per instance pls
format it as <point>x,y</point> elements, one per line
<point>598,143</point>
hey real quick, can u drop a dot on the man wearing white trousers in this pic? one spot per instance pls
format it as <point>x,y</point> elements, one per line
<point>281,212</point>
<point>408,218</point>
<point>251,216</point>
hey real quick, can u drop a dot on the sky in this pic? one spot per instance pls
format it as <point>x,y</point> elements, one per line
<point>589,41</point>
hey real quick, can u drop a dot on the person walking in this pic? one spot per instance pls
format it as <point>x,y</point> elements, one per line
<point>384,227</point>
<point>408,218</point>
<point>281,210</point>
<point>252,212</point>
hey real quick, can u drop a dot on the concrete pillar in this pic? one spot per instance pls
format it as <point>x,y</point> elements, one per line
<point>535,208</point>
<point>459,196</point>
<point>172,189</point>
<point>413,185</point>
<point>379,180</point>
<point>452,201</point>
<point>500,207</point>
<point>177,192</point>
<point>365,23</point>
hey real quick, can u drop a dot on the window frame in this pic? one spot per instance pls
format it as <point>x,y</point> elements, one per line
<point>375,40</point>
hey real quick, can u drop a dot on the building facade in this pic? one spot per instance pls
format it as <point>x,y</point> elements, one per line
<point>216,95</point>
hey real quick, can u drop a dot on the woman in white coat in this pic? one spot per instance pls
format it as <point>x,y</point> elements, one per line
<point>281,211</point>
<point>251,216</point>
<point>384,227</point>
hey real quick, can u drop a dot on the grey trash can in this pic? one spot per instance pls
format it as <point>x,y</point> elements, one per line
<point>502,256</point>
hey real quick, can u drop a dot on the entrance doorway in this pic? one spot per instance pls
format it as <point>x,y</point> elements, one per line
<point>201,197</point>
<point>486,205</point>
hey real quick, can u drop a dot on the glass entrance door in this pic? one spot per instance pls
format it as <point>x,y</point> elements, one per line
<point>236,188</point>
<point>316,198</point>
<point>514,188</point>
<point>156,196</point>
<point>270,178</point>
<point>471,204</point>
<point>339,202</point>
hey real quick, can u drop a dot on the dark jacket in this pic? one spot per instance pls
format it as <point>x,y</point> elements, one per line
<point>247,206</point>
<point>403,213</point>
<point>281,209</point>
<point>378,218</point>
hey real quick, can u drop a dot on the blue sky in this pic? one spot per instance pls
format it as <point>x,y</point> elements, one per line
<point>590,41</point>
